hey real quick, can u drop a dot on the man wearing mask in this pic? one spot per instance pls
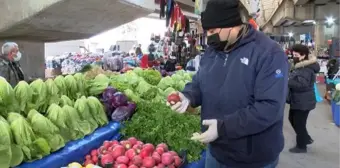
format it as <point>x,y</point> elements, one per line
<point>9,63</point>
<point>241,86</point>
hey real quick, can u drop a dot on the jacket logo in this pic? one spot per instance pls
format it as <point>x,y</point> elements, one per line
<point>244,61</point>
<point>278,73</point>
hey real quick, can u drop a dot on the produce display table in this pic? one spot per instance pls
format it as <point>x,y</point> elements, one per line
<point>75,151</point>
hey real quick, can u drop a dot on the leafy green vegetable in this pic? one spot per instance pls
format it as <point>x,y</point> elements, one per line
<point>146,91</point>
<point>60,82</point>
<point>84,112</point>
<point>156,123</point>
<point>32,147</point>
<point>165,83</point>
<point>5,144</point>
<point>97,111</point>
<point>40,94</point>
<point>44,128</point>
<point>132,96</point>
<point>120,83</point>
<point>152,76</point>
<point>71,87</point>
<point>23,94</point>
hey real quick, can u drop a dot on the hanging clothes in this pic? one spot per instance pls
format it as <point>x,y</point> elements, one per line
<point>169,11</point>
<point>187,26</point>
<point>162,5</point>
<point>175,15</point>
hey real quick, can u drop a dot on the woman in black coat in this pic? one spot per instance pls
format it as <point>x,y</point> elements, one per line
<point>301,95</point>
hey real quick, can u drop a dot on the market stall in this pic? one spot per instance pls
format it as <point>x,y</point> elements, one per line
<point>69,116</point>
<point>71,63</point>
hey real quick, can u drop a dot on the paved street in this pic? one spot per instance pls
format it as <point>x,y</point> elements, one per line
<point>324,152</point>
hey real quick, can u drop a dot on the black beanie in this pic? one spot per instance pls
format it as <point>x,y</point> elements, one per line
<point>221,14</point>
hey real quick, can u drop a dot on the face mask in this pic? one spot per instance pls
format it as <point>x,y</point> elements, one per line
<point>215,41</point>
<point>296,60</point>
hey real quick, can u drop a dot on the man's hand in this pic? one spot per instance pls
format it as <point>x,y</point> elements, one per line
<point>210,134</point>
<point>182,105</point>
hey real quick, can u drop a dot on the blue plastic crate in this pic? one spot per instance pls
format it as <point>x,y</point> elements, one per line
<point>336,113</point>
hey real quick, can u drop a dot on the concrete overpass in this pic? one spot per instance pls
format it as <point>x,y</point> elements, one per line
<point>303,16</point>
<point>58,20</point>
<point>31,23</point>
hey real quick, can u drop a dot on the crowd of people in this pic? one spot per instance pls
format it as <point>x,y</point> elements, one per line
<point>117,61</point>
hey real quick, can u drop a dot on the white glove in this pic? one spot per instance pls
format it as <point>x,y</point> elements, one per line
<point>182,105</point>
<point>209,135</point>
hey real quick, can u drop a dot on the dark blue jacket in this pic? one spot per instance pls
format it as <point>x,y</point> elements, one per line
<point>245,90</point>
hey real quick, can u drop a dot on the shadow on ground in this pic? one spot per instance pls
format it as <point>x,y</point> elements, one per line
<point>324,152</point>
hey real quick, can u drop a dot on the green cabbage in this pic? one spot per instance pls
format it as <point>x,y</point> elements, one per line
<point>81,84</point>
<point>84,112</point>
<point>32,147</point>
<point>53,93</point>
<point>165,83</point>
<point>96,87</point>
<point>146,91</point>
<point>120,83</point>
<point>168,91</point>
<point>40,95</point>
<point>71,86</point>
<point>64,100</point>
<point>152,76</point>
<point>23,94</point>
<point>97,111</point>
<point>5,144</point>
<point>138,71</point>
<point>78,128</point>
<point>44,128</point>
<point>60,118</point>
<point>60,82</point>
<point>7,98</point>
<point>102,78</point>
<point>132,96</point>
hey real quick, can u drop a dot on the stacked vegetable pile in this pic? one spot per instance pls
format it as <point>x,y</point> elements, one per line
<point>41,119</point>
<point>156,123</point>
<point>148,84</point>
<point>117,106</point>
<point>132,153</point>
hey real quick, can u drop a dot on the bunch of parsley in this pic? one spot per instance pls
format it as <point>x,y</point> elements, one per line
<point>156,123</point>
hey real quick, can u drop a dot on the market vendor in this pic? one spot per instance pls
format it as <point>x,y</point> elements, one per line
<point>9,63</point>
<point>241,86</point>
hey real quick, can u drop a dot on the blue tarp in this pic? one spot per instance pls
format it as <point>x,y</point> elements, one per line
<point>198,164</point>
<point>75,151</point>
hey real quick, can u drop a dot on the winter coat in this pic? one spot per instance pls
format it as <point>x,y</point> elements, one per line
<point>11,71</point>
<point>144,62</point>
<point>170,66</point>
<point>301,94</point>
<point>245,90</point>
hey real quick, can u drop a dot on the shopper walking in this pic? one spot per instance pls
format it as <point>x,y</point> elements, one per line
<point>241,86</point>
<point>301,95</point>
<point>9,63</point>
